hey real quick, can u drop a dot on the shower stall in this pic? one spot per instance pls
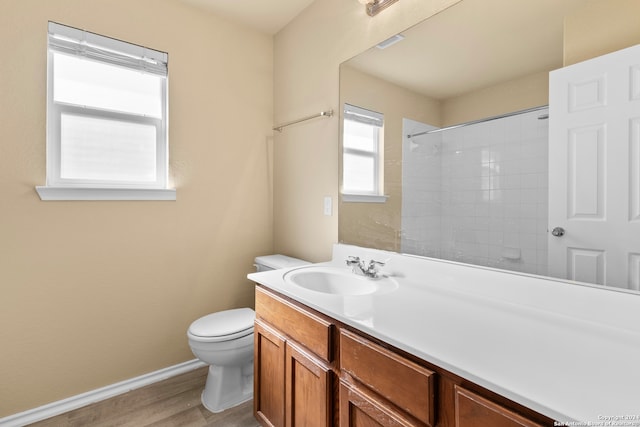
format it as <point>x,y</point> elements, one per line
<point>478,192</point>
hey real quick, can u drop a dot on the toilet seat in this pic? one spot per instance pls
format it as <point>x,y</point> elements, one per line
<point>223,326</point>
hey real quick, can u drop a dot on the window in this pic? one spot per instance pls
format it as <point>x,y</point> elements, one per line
<point>106,118</point>
<point>361,156</point>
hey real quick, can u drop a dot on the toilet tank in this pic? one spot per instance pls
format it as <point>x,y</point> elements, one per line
<point>277,261</point>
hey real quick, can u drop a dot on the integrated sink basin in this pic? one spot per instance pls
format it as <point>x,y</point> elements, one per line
<point>338,281</point>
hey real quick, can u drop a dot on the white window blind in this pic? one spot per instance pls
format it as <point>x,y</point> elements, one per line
<point>361,151</point>
<point>74,41</point>
<point>106,112</point>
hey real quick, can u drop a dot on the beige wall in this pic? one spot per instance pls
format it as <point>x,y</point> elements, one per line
<point>308,53</point>
<point>514,95</point>
<point>602,27</point>
<point>378,224</point>
<point>92,293</point>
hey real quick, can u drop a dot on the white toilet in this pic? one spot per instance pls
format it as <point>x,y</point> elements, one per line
<point>224,340</point>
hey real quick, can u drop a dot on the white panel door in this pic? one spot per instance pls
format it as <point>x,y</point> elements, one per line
<point>594,170</point>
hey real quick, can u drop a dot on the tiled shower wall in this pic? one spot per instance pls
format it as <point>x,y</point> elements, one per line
<point>478,193</point>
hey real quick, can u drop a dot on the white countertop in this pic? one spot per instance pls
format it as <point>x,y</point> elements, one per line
<point>570,352</point>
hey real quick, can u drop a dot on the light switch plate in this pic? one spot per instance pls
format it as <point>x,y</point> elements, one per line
<point>328,206</point>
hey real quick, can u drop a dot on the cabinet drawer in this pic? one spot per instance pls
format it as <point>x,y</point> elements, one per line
<point>302,326</point>
<point>473,410</point>
<point>359,409</point>
<point>407,385</point>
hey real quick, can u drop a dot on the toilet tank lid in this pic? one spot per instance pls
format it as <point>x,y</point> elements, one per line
<point>279,261</point>
<point>223,323</point>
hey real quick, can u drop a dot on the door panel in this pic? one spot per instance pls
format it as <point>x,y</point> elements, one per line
<point>634,171</point>
<point>586,172</point>
<point>594,170</point>
<point>585,265</point>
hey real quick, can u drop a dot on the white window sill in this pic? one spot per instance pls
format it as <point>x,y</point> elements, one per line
<point>364,198</point>
<point>70,193</point>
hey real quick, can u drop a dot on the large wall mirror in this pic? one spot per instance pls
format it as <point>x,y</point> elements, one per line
<point>464,97</point>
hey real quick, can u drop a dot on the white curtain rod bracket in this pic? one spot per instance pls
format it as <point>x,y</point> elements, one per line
<point>327,113</point>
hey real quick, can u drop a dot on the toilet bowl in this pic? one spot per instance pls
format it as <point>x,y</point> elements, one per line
<point>224,340</point>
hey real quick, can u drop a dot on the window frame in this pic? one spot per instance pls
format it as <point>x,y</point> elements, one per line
<point>376,121</point>
<point>58,188</point>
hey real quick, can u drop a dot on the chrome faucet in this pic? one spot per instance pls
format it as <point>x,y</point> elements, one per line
<point>360,268</point>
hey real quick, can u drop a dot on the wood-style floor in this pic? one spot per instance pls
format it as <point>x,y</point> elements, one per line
<point>168,403</point>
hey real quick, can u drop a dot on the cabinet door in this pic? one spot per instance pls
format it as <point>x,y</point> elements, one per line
<point>269,364</point>
<point>360,409</point>
<point>472,410</point>
<point>308,389</point>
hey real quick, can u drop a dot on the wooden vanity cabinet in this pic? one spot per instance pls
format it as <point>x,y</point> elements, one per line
<point>313,371</point>
<point>293,379</point>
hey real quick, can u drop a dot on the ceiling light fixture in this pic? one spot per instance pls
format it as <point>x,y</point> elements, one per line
<point>373,7</point>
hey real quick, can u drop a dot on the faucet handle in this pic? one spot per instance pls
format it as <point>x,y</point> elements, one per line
<point>351,260</point>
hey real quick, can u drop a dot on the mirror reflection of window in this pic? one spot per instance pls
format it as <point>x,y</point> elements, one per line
<point>362,148</point>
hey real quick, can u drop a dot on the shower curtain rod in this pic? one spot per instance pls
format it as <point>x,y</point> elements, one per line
<point>488,119</point>
<point>327,113</point>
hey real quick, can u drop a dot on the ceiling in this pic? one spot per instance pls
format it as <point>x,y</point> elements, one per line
<point>268,16</point>
<point>472,45</point>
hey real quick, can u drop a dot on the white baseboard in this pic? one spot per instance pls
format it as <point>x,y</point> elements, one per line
<point>74,402</point>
